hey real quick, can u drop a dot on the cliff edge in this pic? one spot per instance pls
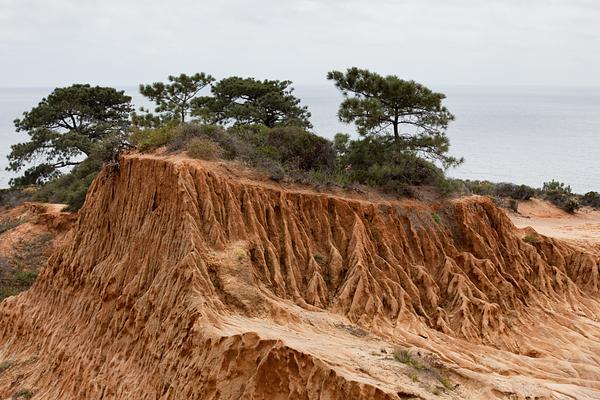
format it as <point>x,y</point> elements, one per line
<point>183,279</point>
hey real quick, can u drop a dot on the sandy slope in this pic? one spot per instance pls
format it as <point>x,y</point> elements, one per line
<point>549,220</point>
<point>185,279</point>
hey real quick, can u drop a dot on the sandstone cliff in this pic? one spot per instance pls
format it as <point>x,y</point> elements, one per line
<point>184,280</point>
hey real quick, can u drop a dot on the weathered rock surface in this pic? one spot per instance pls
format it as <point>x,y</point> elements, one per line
<point>183,281</point>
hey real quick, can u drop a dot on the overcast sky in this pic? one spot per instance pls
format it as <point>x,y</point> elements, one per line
<point>126,42</point>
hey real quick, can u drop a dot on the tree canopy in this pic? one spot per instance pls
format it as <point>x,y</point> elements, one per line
<point>64,127</point>
<point>388,105</point>
<point>173,99</point>
<point>241,101</point>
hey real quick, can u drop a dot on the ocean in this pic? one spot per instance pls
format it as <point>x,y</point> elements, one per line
<point>523,135</point>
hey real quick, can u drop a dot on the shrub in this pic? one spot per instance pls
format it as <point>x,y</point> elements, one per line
<point>571,204</point>
<point>381,162</point>
<point>556,188</point>
<point>515,192</point>
<point>482,188</point>
<point>321,260</point>
<point>419,365</point>
<point>300,148</point>
<point>273,168</point>
<point>9,223</point>
<point>203,149</point>
<point>560,194</point>
<point>150,139</point>
<point>514,205</point>
<point>4,365</point>
<point>71,188</point>
<point>26,278</point>
<point>8,292</point>
<point>447,186</point>
<point>531,239</point>
<point>591,199</point>
<point>22,394</point>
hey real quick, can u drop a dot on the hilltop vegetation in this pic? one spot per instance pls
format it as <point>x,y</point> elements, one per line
<point>402,142</point>
<point>78,129</point>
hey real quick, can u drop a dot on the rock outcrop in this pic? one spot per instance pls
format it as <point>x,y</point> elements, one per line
<point>181,280</point>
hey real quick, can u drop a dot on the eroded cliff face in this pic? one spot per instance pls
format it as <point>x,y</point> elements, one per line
<point>182,280</point>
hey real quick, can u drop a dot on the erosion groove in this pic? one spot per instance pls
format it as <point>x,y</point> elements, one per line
<point>183,281</point>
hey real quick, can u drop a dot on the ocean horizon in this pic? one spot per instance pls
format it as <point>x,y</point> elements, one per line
<point>520,134</point>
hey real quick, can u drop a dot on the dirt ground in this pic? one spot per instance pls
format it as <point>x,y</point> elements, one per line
<point>549,220</point>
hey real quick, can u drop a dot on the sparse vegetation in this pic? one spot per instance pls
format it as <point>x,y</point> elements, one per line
<point>26,278</point>
<point>531,239</point>
<point>421,366</point>
<point>22,394</point>
<point>6,292</point>
<point>321,260</point>
<point>9,223</point>
<point>4,365</point>
<point>19,272</point>
<point>436,217</point>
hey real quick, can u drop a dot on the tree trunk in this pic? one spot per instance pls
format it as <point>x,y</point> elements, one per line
<point>396,133</point>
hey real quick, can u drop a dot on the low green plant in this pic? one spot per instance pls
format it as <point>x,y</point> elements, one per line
<point>321,260</point>
<point>71,188</point>
<point>4,365</point>
<point>22,394</point>
<point>531,239</point>
<point>6,292</point>
<point>26,278</point>
<point>405,357</point>
<point>9,223</point>
<point>436,217</point>
<point>514,205</point>
<point>447,383</point>
<point>413,377</point>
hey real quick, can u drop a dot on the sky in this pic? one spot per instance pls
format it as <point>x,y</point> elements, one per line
<point>451,42</point>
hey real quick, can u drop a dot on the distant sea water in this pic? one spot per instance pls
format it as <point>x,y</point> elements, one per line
<point>506,134</point>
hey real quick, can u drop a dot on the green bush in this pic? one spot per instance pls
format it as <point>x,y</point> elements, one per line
<point>381,162</point>
<point>591,199</point>
<point>150,139</point>
<point>22,394</point>
<point>531,239</point>
<point>9,223</point>
<point>4,365</point>
<point>321,260</point>
<point>203,149</point>
<point>297,155</point>
<point>482,188</point>
<point>26,278</point>
<point>71,188</point>
<point>515,192</point>
<point>560,195</point>
<point>300,148</point>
